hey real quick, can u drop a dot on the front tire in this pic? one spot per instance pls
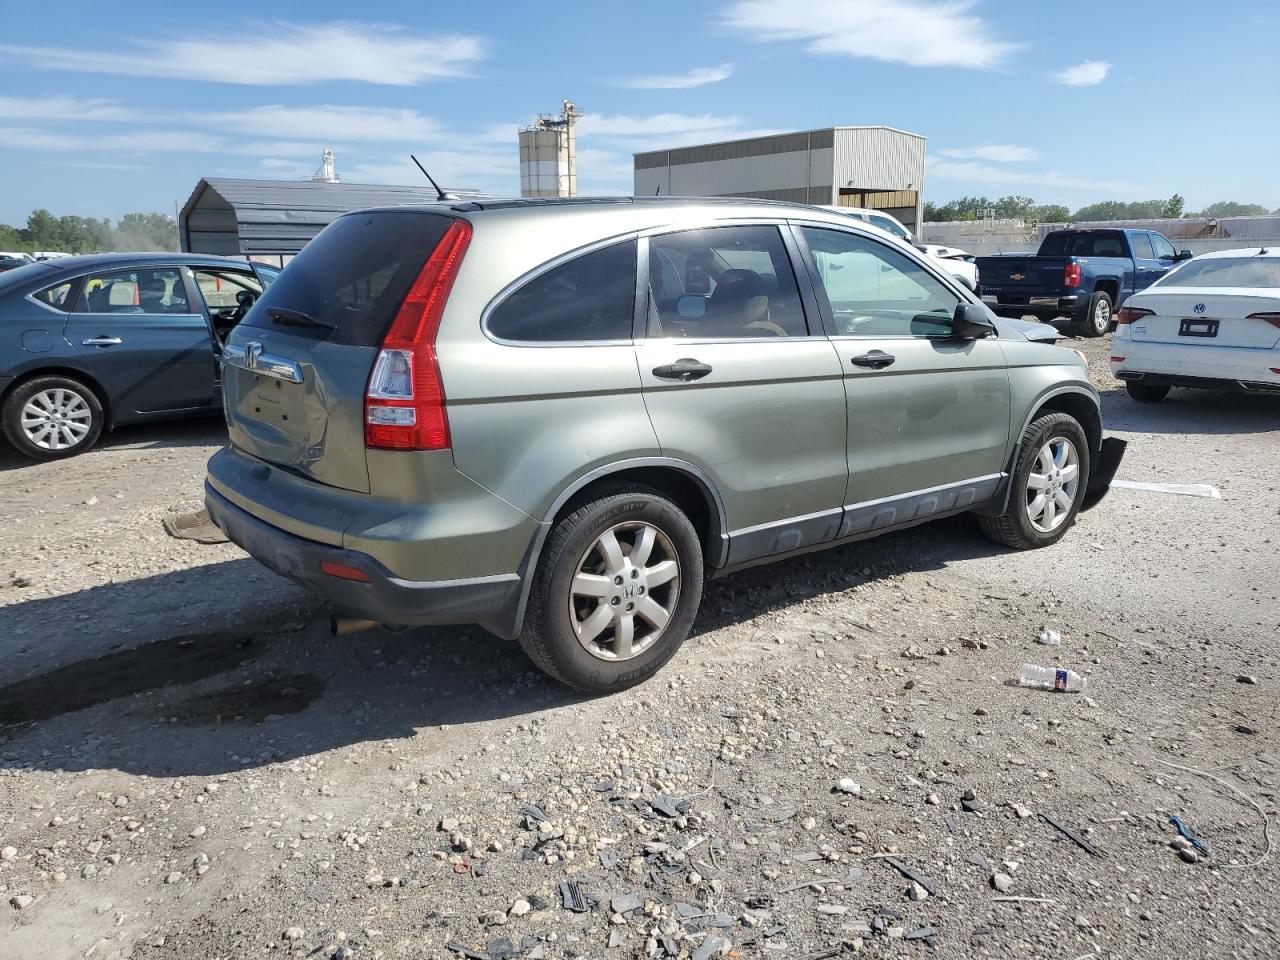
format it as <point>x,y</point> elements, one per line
<point>1145,393</point>
<point>1098,316</point>
<point>52,417</point>
<point>615,591</point>
<point>1048,485</point>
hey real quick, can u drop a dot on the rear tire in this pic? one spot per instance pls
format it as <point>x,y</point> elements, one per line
<point>599,622</point>
<point>52,417</point>
<point>1145,393</point>
<point>1098,316</point>
<point>1028,523</point>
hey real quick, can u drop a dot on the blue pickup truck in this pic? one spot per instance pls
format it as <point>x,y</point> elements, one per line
<point>1083,274</point>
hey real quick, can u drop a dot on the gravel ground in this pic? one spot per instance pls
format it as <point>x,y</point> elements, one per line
<point>838,761</point>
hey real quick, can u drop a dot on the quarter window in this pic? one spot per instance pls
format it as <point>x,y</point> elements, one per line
<point>591,297</point>
<point>55,296</point>
<point>135,291</point>
<point>877,291</point>
<point>723,282</point>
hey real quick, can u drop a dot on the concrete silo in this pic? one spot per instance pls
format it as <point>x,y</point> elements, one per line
<point>548,156</point>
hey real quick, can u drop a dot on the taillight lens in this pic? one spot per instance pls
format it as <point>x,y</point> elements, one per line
<point>1071,275</point>
<point>1130,314</point>
<point>404,401</point>
<point>1271,318</point>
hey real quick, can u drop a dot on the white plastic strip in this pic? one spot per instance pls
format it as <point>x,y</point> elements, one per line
<point>1185,489</point>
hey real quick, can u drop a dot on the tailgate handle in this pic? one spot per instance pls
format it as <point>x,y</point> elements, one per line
<point>249,356</point>
<point>685,369</point>
<point>876,360</point>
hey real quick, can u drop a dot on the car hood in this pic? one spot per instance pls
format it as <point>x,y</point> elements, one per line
<point>1033,330</point>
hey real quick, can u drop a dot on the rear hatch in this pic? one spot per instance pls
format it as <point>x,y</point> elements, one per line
<point>295,370</point>
<point>1029,274</point>
<point>1206,316</point>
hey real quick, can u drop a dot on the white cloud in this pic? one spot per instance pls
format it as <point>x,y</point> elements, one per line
<point>329,122</point>
<point>146,141</point>
<point>972,172</point>
<point>277,54</point>
<point>658,124</point>
<point>698,77</point>
<point>1087,74</point>
<point>920,33</point>
<point>997,152</point>
<point>63,108</point>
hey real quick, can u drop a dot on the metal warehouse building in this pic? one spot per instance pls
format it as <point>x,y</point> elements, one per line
<point>877,167</point>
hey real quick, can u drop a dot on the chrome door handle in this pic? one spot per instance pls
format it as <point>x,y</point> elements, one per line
<point>876,360</point>
<point>102,342</point>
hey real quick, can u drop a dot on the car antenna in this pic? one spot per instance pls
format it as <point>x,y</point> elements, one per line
<point>1262,251</point>
<point>658,192</point>
<point>440,194</point>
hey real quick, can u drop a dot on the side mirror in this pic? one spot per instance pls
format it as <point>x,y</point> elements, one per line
<point>1185,255</point>
<point>970,322</point>
<point>691,306</point>
<point>921,247</point>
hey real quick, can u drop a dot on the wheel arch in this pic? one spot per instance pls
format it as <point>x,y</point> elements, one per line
<point>1110,286</point>
<point>72,373</point>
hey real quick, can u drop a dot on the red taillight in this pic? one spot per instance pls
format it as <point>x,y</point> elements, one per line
<point>1130,314</point>
<point>1071,275</point>
<point>1271,318</point>
<point>404,400</point>
<point>343,572</point>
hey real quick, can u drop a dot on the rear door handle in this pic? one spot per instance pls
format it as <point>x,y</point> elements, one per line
<point>102,342</point>
<point>685,369</point>
<point>876,360</point>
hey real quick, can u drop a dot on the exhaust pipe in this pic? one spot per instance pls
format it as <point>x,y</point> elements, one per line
<point>342,626</point>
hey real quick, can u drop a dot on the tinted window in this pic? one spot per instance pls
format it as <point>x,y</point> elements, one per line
<point>158,290</point>
<point>1142,247</point>
<point>354,275</point>
<point>1107,243</point>
<point>55,296</point>
<point>1227,272</point>
<point>876,290</point>
<point>591,297</point>
<point>723,282</point>
<point>1163,247</point>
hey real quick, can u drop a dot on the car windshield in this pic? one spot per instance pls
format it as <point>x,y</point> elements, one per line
<point>1252,271</point>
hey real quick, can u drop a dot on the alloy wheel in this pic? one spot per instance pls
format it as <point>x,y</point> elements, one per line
<point>1102,315</point>
<point>56,419</point>
<point>1053,484</point>
<point>624,591</point>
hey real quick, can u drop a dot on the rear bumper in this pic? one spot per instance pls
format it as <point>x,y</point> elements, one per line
<point>1012,304</point>
<point>490,601</point>
<point>1196,365</point>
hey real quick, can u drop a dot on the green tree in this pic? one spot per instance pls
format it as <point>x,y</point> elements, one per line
<point>146,231</point>
<point>1014,208</point>
<point>1051,213</point>
<point>1173,207</point>
<point>44,231</point>
<point>1230,208</point>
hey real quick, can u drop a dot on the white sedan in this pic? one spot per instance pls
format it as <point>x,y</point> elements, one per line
<point>1213,322</point>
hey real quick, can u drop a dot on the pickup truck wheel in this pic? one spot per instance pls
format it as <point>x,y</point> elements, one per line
<point>615,591</point>
<point>52,417</point>
<point>1048,485</point>
<point>1097,318</point>
<point>1145,393</point>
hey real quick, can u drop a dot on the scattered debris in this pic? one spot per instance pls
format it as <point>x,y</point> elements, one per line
<point>1184,832</point>
<point>1050,637</point>
<point>573,898</point>
<point>1266,821</point>
<point>1184,489</point>
<point>1071,835</point>
<point>909,872</point>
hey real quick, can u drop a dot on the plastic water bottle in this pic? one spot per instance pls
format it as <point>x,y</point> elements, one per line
<point>1051,678</point>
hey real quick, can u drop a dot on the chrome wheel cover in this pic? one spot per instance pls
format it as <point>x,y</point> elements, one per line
<point>56,419</point>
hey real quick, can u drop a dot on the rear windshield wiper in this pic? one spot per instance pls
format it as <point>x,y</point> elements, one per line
<point>296,318</point>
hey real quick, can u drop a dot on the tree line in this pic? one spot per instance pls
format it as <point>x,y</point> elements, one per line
<point>1025,208</point>
<point>133,232</point>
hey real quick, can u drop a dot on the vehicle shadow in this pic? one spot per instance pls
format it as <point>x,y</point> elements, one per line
<point>1192,411</point>
<point>198,432</point>
<point>268,683</point>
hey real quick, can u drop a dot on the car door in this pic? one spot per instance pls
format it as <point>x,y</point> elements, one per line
<point>1147,267</point>
<point>739,380</point>
<point>928,414</point>
<point>136,329</point>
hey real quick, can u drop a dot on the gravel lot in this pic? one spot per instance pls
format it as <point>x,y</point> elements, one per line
<point>190,767</point>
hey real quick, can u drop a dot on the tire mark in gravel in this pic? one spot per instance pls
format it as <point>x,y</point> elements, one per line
<point>162,663</point>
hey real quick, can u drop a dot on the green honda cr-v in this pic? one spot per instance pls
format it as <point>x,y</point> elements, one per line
<point>557,418</point>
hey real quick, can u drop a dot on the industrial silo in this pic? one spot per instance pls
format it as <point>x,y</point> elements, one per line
<point>548,156</point>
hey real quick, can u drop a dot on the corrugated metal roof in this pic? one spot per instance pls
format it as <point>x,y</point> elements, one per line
<point>255,217</point>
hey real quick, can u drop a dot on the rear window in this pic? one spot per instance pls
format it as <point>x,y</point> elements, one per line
<point>1091,244</point>
<point>1252,271</point>
<point>354,275</point>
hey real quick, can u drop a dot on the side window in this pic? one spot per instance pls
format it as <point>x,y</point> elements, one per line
<point>219,287</point>
<point>723,282</point>
<point>1163,247</point>
<point>884,223</point>
<point>55,296</point>
<point>135,291</point>
<point>591,297</point>
<point>1142,246</point>
<point>877,291</point>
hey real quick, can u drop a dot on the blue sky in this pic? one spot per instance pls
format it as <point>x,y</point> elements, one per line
<point>111,108</point>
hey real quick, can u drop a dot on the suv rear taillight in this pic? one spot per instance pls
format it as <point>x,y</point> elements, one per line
<point>1071,275</point>
<point>1271,318</point>
<point>1130,314</point>
<point>404,401</point>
